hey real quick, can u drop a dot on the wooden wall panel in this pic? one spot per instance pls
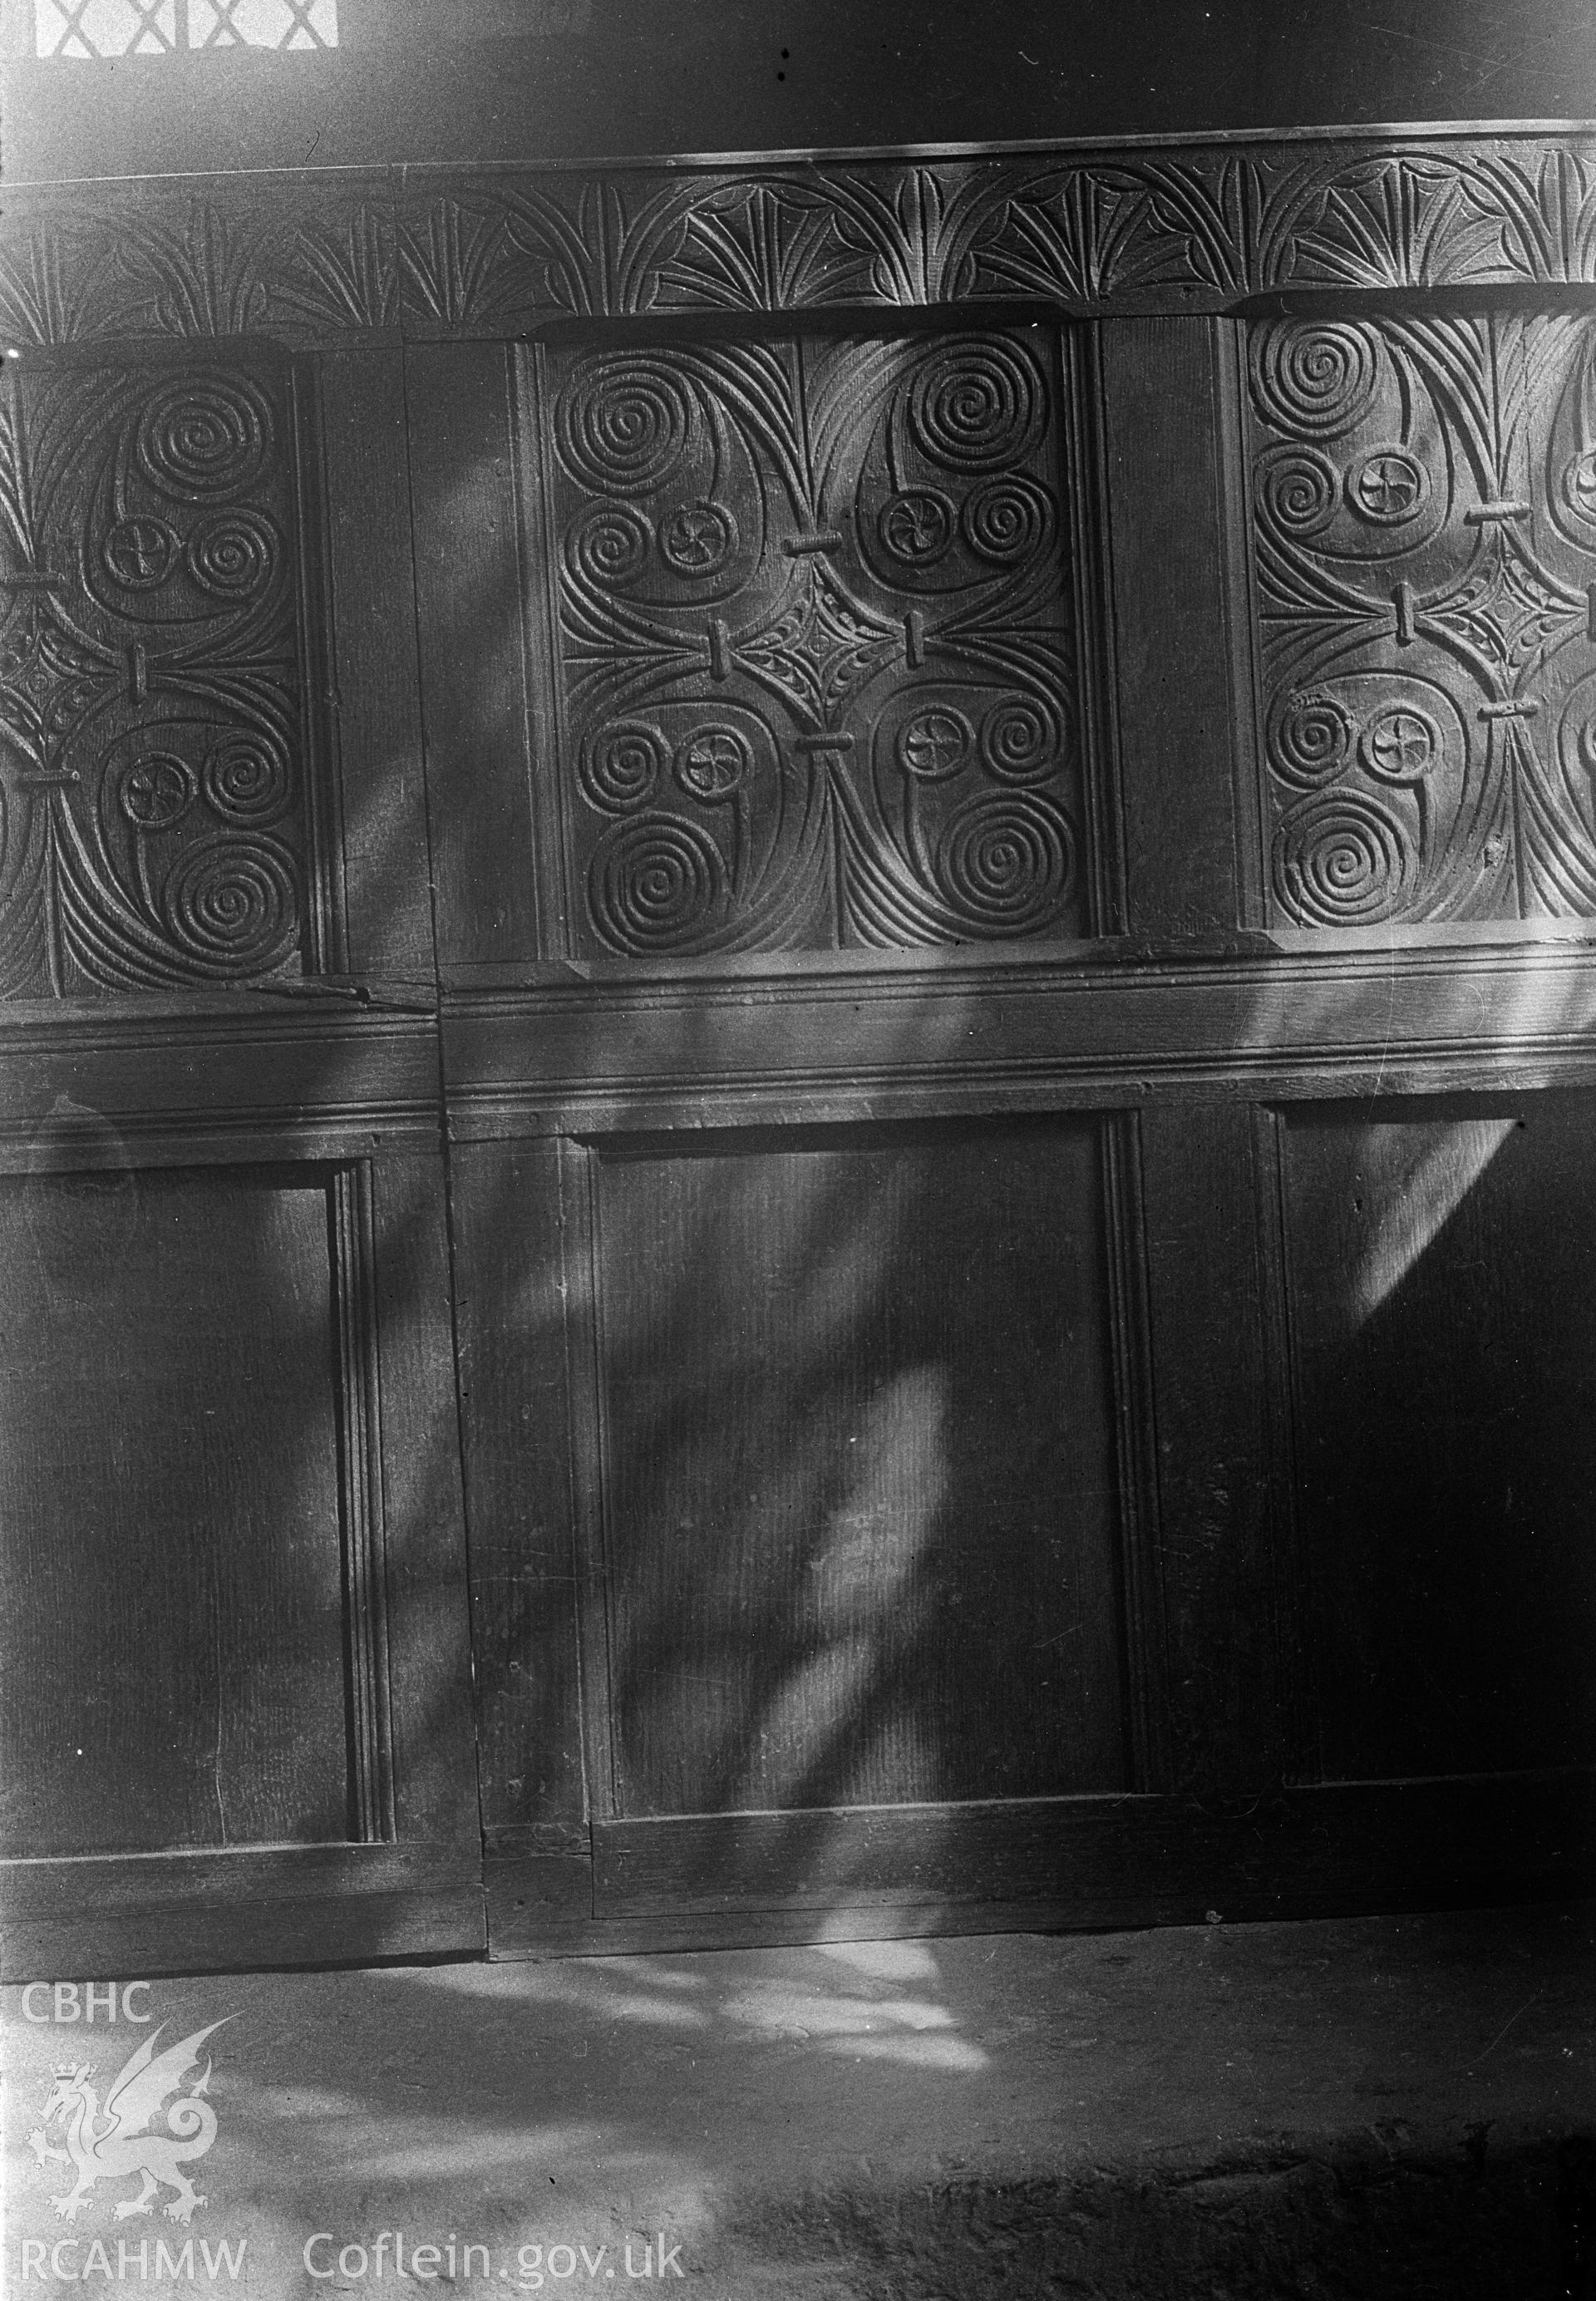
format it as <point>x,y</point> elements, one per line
<point>1443,1274</point>
<point>1220,1511</point>
<point>1424,499</point>
<point>516,1281</point>
<point>174,1594</point>
<point>820,598</point>
<point>860,1469</point>
<point>155,827</point>
<point>819,674</point>
<point>420,1606</point>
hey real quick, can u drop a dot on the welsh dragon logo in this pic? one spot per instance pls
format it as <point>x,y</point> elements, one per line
<point>113,2142</point>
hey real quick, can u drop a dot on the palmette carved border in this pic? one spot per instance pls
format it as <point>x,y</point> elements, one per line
<point>428,252</point>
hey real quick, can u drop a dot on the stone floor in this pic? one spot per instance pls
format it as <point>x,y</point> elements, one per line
<point>1385,2107</point>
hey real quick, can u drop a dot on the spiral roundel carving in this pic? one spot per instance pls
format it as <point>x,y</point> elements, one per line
<point>610,546</point>
<point>1401,744</point>
<point>1388,487</point>
<point>623,423</point>
<point>156,792</point>
<point>1006,860</point>
<point>203,437</point>
<point>1579,485</point>
<point>698,539</point>
<point>1021,739</point>
<point>655,883</point>
<point>1310,739</point>
<point>247,778</point>
<point>621,766</point>
<point>232,555</point>
<point>140,552</point>
<point>976,407</point>
<point>1299,492</point>
<point>1316,376</point>
<point>916,526</point>
<point>230,903</point>
<point>1342,860</point>
<point>935,743</point>
<point>714,763</point>
<point>1006,520</point>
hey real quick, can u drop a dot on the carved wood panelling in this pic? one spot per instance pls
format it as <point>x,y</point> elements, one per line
<point>1424,495</point>
<point>817,654</point>
<point>1173,228</point>
<point>152,777</point>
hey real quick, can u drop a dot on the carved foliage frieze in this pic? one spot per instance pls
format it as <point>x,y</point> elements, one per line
<point>816,643</point>
<point>1424,494</point>
<point>443,250</point>
<point>265,257</point>
<point>152,778</point>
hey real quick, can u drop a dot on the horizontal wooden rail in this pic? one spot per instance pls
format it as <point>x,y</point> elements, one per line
<point>577,1051</point>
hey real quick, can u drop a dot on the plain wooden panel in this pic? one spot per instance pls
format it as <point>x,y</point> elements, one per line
<point>1163,404</point>
<point>388,926</point>
<point>1442,1277</point>
<point>473,683</point>
<point>860,1469</point>
<point>1220,1541</point>
<point>510,1266</point>
<point>172,1586</point>
<point>425,1612</point>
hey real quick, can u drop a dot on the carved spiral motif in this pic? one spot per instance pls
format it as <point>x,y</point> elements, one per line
<point>1310,740</point>
<point>1021,739</point>
<point>621,765</point>
<point>1586,745</point>
<point>975,408</point>
<point>1299,492</point>
<point>1342,861</point>
<point>1316,376</point>
<point>610,547</point>
<point>652,883</point>
<point>1006,860</point>
<point>205,436</point>
<point>1006,519</point>
<point>247,778</point>
<point>233,554</point>
<point>231,903</point>
<point>624,424</point>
